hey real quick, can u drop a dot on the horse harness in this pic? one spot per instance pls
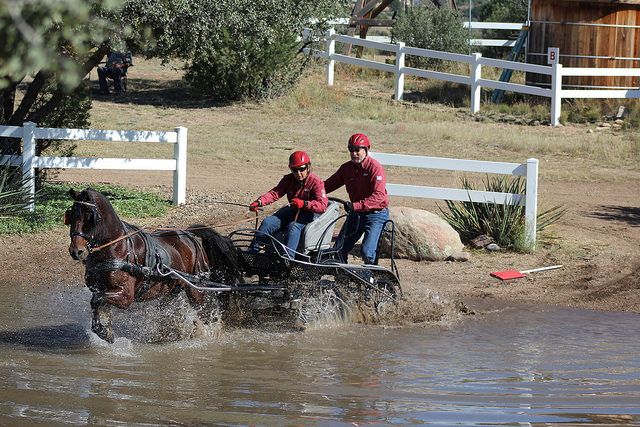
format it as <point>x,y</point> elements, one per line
<point>150,268</point>
<point>95,219</point>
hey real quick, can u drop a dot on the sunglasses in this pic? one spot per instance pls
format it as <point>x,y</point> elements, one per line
<point>353,149</point>
<point>300,169</point>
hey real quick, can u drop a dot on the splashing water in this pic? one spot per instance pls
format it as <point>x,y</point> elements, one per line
<point>165,320</point>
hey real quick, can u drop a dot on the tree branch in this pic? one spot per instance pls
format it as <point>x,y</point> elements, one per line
<point>58,96</point>
<point>29,98</point>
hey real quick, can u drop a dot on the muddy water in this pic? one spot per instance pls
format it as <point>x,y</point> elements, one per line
<point>510,366</point>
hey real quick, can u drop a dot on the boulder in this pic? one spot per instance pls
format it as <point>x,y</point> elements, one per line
<point>421,235</point>
<point>480,241</point>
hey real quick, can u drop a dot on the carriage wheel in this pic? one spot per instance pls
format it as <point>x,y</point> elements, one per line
<point>321,305</point>
<point>382,295</point>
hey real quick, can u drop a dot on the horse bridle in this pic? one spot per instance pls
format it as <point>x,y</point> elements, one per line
<point>95,219</point>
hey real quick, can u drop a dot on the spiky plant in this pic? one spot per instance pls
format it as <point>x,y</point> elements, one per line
<point>504,223</point>
<point>14,197</point>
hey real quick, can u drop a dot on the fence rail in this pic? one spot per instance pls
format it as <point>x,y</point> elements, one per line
<point>474,26</point>
<point>528,170</point>
<point>474,79</point>
<point>29,134</point>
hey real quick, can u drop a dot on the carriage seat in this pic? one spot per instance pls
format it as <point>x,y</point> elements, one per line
<point>321,228</point>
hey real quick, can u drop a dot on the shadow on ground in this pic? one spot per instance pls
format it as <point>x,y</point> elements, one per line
<point>48,338</point>
<point>171,94</point>
<point>628,214</point>
<point>448,93</point>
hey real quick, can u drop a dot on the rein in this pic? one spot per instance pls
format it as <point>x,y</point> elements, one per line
<point>98,248</point>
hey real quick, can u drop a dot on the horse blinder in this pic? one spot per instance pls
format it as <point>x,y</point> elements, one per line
<point>94,219</point>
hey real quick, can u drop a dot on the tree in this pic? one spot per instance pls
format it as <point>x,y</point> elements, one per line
<point>233,49</point>
<point>430,27</point>
<point>501,11</point>
<point>48,47</point>
<point>504,11</point>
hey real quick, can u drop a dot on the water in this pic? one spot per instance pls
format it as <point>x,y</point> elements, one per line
<point>513,366</point>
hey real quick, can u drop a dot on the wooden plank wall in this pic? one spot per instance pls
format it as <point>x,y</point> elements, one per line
<point>549,29</point>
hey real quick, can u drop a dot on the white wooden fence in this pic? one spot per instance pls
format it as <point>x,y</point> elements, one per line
<point>474,79</point>
<point>29,133</point>
<point>529,170</point>
<point>473,25</point>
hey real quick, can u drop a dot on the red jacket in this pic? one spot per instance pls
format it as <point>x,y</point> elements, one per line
<point>365,182</point>
<point>311,190</point>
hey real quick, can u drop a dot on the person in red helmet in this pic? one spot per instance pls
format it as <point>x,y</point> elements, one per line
<point>366,184</point>
<point>307,200</point>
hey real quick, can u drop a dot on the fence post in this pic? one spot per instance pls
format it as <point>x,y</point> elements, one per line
<point>399,87</point>
<point>556,93</point>
<point>180,174</point>
<point>475,74</point>
<point>531,203</point>
<point>330,44</point>
<point>28,160</point>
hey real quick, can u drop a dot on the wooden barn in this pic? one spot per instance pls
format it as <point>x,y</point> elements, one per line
<point>589,33</point>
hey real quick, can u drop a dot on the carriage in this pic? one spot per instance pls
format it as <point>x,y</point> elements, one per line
<point>125,264</point>
<point>313,283</point>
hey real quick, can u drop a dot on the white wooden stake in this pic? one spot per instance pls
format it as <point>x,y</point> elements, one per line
<point>556,94</point>
<point>476,74</point>
<point>399,84</point>
<point>531,203</point>
<point>180,174</point>
<point>28,159</point>
<point>330,43</point>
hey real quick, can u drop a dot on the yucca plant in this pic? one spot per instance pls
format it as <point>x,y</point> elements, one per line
<point>14,197</point>
<point>504,223</point>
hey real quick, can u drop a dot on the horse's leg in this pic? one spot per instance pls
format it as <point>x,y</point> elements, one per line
<point>119,292</point>
<point>121,289</point>
<point>101,321</point>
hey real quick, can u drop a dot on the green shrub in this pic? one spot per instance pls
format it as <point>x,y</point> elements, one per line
<point>242,67</point>
<point>232,49</point>
<point>73,113</point>
<point>499,11</point>
<point>429,27</point>
<point>504,223</point>
<point>581,111</point>
<point>14,197</point>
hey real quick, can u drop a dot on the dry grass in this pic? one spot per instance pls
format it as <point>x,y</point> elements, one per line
<point>320,119</point>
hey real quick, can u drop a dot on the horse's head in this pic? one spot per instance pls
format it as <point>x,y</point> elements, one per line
<point>85,219</point>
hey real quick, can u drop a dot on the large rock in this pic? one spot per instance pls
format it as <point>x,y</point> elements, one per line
<point>421,235</point>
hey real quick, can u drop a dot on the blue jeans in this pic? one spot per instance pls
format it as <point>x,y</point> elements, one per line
<point>283,220</point>
<point>113,73</point>
<point>368,223</point>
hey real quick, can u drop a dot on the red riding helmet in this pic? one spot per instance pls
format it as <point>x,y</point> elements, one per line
<point>359,140</point>
<point>298,158</point>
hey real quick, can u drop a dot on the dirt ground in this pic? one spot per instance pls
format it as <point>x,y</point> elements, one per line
<point>598,242</point>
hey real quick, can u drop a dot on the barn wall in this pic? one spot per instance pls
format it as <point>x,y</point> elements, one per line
<point>551,27</point>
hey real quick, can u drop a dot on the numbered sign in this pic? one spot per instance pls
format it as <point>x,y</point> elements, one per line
<point>553,53</point>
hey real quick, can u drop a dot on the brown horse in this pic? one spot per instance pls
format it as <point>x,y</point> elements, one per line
<point>123,262</point>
